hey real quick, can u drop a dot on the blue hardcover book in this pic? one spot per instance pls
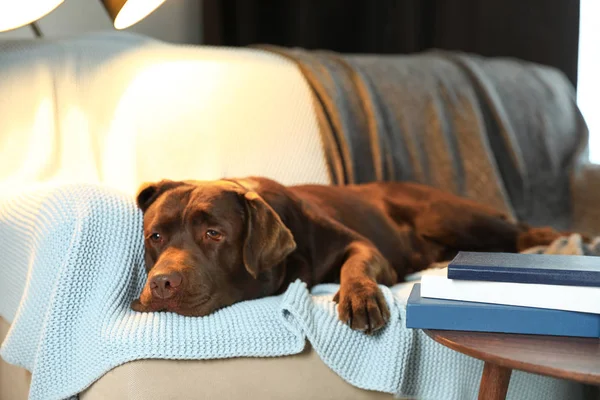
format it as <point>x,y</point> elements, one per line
<point>545,269</point>
<point>426,313</point>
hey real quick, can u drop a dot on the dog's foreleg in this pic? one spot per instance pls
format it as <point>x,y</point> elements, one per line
<point>361,304</point>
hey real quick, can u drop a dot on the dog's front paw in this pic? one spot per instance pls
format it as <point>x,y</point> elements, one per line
<point>137,305</point>
<point>362,306</point>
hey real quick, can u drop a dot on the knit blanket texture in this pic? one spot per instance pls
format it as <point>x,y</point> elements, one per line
<point>73,261</point>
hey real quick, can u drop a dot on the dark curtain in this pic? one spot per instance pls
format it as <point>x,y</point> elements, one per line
<point>542,31</point>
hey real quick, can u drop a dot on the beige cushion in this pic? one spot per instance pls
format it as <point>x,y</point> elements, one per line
<point>302,376</point>
<point>120,110</point>
<point>14,381</point>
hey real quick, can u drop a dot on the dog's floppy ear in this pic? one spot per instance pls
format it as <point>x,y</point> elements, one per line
<point>149,192</point>
<point>268,241</point>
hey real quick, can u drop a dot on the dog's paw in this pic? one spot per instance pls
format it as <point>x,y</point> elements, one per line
<point>533,237</point>
<point>136,305</point>
<point>361,306</point>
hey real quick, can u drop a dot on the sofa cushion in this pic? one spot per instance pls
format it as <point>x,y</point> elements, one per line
<point>302,376</point>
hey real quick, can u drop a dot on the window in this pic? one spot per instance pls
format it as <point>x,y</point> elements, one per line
<point>588,81</point>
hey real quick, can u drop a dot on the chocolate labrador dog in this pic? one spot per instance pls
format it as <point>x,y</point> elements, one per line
<point>210,244</point>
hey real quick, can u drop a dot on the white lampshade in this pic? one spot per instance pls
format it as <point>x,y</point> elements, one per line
<point>17,13</point>
<point>125,13</point>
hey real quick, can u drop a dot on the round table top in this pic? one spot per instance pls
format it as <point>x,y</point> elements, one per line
<point>571,358</point>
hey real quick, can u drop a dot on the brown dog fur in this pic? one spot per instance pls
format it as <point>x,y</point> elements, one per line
<point>235,240</point>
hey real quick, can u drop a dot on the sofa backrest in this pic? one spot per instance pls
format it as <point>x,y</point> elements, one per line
<point>121,109</point>
<point>501,131</point>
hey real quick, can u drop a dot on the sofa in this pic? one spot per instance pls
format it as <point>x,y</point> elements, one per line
<point>117,110</point>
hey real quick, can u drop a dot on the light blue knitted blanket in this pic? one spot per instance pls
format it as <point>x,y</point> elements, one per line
<point>72,261</point>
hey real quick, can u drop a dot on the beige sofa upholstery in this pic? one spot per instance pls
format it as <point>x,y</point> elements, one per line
<point>14,381</point>
<point>302,376</point>
<point>119,110</point>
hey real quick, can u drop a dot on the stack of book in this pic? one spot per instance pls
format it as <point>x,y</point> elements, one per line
<point>510,293</point>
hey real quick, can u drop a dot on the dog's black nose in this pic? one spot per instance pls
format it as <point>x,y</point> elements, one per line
<point>164,285</point>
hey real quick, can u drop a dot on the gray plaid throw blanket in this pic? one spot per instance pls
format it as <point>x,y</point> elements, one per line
<point>504,132</point>
<point>569,245</point>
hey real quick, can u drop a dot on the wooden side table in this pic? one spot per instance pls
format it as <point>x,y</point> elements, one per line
<point>576,359</point>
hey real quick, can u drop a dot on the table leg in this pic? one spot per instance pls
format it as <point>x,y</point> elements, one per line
<point>494,382</point>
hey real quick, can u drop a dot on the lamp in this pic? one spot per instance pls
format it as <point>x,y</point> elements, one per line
<point>125,13</point>
<point>14,14</point>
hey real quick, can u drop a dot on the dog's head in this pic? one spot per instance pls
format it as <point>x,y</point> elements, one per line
<point>207,245</point>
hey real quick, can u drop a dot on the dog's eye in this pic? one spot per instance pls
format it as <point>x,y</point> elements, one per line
<point>214,235</point>
<point>156,237</point>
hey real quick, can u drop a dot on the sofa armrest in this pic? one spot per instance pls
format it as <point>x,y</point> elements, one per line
<point>586,200</point>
